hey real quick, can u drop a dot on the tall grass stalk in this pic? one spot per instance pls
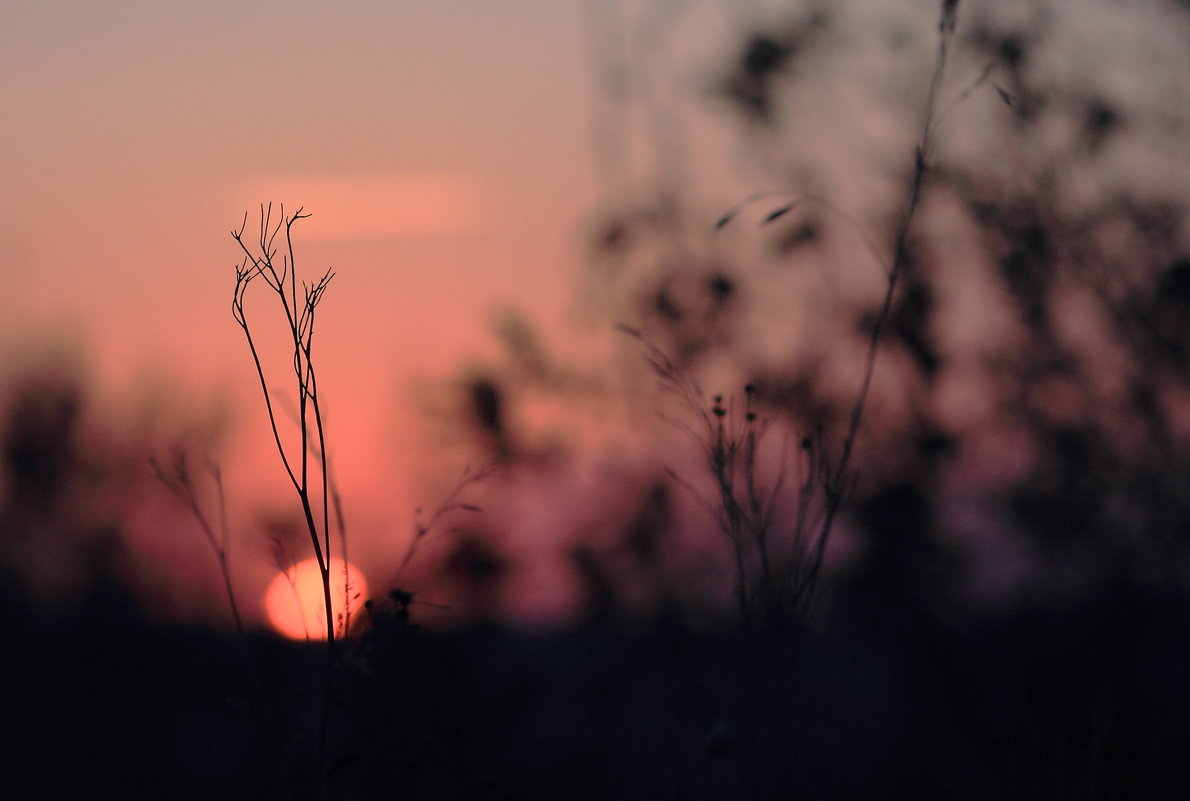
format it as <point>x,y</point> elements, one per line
<point>180,483</point>
<point>306,468</point>
<point>299,311</point>
<point>771,590</point>
<point>839,479</point>
<point>336,499</point>
<point>453,502</point>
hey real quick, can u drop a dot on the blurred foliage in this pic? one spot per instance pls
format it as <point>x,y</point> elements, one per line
<point>79,502</point>
<point>1028,434</point>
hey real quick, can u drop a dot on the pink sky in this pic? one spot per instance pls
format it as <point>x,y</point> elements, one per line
<point>440,147</point>
<point>451,136</point>
<point>443,149</point>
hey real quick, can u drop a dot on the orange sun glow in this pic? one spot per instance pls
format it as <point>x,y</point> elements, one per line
<point>294,602</point>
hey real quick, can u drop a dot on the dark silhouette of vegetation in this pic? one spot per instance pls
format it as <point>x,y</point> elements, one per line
<point>181,484</point>
<point>313,491</point>
<point>929,540</point>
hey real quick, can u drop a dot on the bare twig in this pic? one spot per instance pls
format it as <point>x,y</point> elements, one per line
<point>311,483</point>
<point>422,529</point>
<point>837,483</point>
<point>744,508</point>
<point>181,484</point>
<point>261,264</point>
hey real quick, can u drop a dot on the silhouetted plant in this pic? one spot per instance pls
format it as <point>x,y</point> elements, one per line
<point>336,499</point>
<point>770,576</point>
<point>40,444</point>
<point>730,438</point>
<point>424,527</point>
<point>312,490</point>
<point>306,463</point>
<point>180,482</point>
<point>285,564</point>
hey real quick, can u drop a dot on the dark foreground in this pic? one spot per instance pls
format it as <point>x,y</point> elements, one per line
<point>1090,702</point>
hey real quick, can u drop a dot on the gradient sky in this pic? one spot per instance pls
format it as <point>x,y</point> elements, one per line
<point>440,147</point>
<point>443,149</point>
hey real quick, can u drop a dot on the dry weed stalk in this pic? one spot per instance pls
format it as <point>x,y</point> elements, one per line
<point>336,498</point>
<point>770,553</point>
<point>313,491</point>
<point>744,508</point>
<point>839,480</point>
<point>422,528</point>
<point>181,484</point>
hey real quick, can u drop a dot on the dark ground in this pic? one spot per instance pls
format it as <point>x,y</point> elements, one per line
<point>1082,703</point>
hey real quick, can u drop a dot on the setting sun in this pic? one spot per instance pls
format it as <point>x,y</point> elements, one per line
<point>293,601</point>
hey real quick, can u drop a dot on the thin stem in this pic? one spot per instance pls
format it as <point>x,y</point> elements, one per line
<point>835,484</point>
<point>300,323</point>
<point>182,487</point>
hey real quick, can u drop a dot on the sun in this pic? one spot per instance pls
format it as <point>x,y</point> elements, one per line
<point>294,605</point>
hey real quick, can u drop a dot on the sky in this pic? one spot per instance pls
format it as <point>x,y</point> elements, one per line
<point>429,141</point>
<point>443,149</point>
<point>439,148</point>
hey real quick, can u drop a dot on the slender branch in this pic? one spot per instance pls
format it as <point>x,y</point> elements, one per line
<point>180,484</point>
<point>744,510</point>
<point>300,323</point>
<point>452,502</point>
<point>835,484</point>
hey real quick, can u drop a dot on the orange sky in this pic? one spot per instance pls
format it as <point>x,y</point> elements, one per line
<point>443,149</point>
<point>442,153</point>
<point>440,147</point>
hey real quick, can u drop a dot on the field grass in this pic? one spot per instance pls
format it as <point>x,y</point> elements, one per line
<point>952,529</point>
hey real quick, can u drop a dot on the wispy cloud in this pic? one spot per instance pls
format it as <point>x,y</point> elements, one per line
<point>374,205</point>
